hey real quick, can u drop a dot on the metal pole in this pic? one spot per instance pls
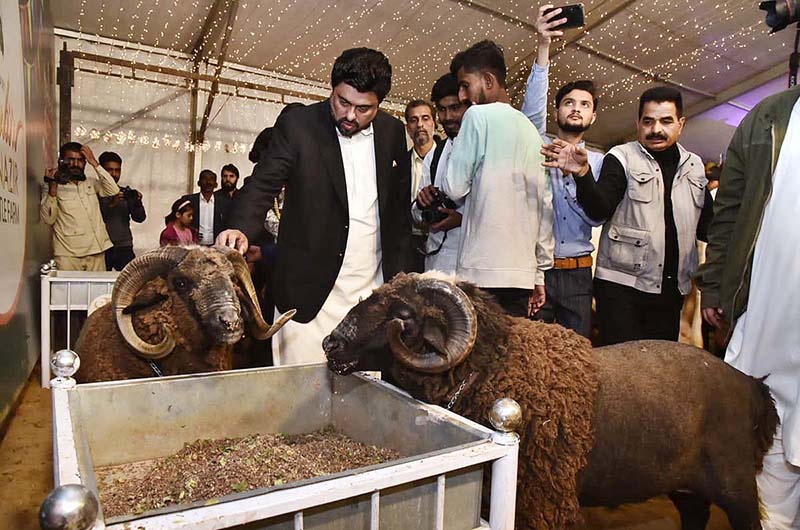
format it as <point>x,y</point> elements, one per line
<point>65,78</point>
<point>794,59</point>
<point>504,484</point>
<point>192,155</point>
<point>505,416</point>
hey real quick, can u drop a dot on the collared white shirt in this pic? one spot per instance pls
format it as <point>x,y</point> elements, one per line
<point>206,220</point>
<point>417,164</point>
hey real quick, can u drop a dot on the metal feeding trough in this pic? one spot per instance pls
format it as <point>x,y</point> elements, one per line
<point>435,485</point>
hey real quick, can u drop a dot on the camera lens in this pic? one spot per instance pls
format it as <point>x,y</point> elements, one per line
<point>780,13</point>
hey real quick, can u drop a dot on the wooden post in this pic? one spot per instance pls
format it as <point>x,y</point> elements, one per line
<point>190,171</point>
<point>65,79</point>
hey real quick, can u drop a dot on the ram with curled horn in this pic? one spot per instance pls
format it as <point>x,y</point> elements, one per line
<point>174,310</point>
<point>600,427</point>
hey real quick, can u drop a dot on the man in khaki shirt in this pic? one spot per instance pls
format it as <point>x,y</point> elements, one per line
<point>72,209</point>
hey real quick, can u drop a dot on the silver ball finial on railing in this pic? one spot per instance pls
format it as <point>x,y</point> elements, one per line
<point>64,363</point>
<point>48,267</point>
<point>506,415</point>
<point>69,507</point>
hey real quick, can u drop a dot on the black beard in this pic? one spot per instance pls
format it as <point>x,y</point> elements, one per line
<point>227,186</point>
<point>345,133</point>
<point>450,132</point>
<point>566,126</point>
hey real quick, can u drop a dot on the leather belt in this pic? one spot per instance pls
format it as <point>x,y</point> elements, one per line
<point>572,263</point>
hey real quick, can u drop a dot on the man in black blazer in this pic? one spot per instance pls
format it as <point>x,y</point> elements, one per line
<point>207,182</point>
<point>346,225</point>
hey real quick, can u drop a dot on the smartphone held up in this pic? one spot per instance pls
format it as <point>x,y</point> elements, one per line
<point>573,13</point>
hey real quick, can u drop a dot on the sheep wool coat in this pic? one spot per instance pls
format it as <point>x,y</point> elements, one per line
<point>557,401</point>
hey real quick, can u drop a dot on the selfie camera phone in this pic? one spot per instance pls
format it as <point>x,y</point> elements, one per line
<point>573,13</point>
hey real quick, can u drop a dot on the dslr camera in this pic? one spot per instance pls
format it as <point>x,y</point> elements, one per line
<point>129,194</point>
<point>63,175</point>
<point>431,214</point>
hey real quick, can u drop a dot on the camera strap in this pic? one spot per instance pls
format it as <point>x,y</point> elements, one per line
<point>438,249</point>
<point>437,155</point>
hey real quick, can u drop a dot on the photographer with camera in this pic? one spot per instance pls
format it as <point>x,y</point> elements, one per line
<point>432,208</point>
<point>72,209</point>
<point>118,210</point>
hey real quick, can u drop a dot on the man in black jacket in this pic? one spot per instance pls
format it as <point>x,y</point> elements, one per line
<point>118,210</point>
<point>346,224</point>
<point>209,208</point>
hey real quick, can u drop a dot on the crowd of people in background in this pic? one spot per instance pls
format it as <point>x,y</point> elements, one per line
<point>91,214</point>
<point>337,204</point>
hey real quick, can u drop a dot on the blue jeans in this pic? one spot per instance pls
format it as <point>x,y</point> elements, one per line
<point>569,299</point>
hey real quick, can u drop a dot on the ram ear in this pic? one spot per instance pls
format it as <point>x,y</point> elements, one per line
<point>153,293</point>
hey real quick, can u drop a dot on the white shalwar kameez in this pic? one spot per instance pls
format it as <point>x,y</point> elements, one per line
<point>766,339</point>
<point>361,269</point>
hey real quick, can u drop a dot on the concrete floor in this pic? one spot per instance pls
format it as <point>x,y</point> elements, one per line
<point>26,473</point>
<point>26,459</point>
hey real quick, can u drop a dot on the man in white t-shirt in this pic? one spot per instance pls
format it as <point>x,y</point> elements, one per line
<point>496,168</point>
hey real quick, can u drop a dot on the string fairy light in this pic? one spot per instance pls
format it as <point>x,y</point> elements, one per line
<point>705,44</point>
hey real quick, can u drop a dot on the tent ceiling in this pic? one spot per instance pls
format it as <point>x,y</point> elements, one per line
<point>708,47</point>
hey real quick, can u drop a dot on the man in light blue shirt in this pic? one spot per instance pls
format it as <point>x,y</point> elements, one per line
<point>507,227</point>
<point>569,282</point>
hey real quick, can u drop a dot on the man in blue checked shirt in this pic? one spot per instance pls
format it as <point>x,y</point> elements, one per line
<point>569,283</point>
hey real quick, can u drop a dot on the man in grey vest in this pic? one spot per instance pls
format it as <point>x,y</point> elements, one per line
<point>653,193</point>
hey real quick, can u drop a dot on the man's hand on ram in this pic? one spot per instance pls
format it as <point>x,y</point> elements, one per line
<point>233,239</point>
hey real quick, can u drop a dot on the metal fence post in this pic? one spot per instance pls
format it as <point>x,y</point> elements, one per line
<point>505,417</point>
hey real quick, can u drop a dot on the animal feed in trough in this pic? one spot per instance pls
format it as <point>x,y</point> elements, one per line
<point>208,469</point>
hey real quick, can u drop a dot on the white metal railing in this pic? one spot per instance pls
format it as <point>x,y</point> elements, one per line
<point>501,451</point>
<point>66,293</point>
<point>503,491</point>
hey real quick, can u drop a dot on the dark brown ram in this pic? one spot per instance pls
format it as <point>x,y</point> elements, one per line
<point>180,309</point>
<point>600,427</point>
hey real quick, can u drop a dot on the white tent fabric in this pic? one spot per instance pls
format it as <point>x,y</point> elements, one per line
<point>101,100</point>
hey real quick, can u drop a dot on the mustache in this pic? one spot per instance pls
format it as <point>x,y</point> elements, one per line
<point>345,120</point>
<point>656,136</point>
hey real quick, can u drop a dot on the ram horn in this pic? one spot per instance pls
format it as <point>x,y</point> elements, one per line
<point>462,329</point>
<point>137,273</point>
<point>258,327</point>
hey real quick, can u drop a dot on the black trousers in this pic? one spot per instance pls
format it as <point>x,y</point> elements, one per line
<point>118,257</point>
<point>569,299</point>
<point>513,301</point>
<point>625,313</point>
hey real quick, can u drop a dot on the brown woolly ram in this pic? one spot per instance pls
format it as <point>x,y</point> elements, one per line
<point>174,310</point>
<point>600,427</point>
